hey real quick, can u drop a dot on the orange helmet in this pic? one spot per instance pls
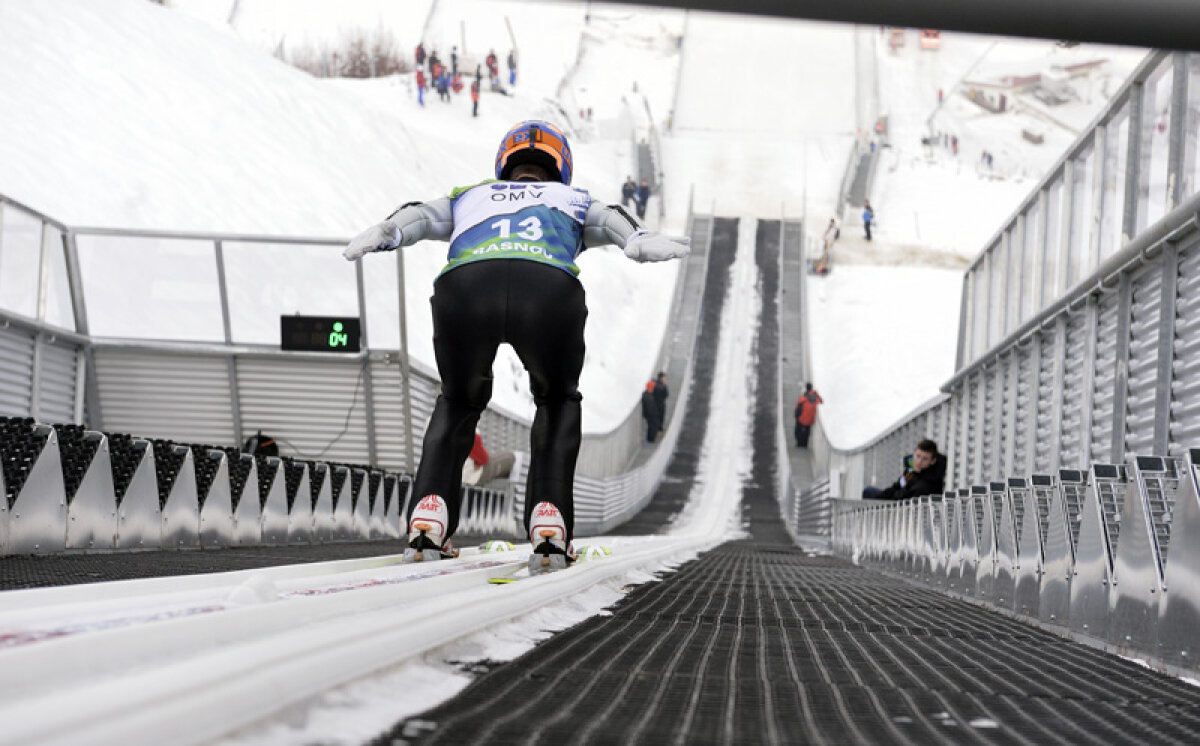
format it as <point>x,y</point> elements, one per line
<point>535,141</point>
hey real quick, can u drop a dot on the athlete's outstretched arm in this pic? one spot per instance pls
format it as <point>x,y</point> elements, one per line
<point>411,222</point>
<point>607,224</point>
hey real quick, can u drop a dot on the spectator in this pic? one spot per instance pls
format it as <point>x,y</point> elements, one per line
<point>643,196</point>
<point>661,392</point>
<point>433,62</point>
<point>420,54</point>
<point>261,445</point>
<point>924,474</point>
<point>512,67</point>
<point>806,414</point>
<point>481,468</point>
<point>868,217</point>
<point>628,189</point>
<point>453,61</point>
<point>492,66</point>
<point>475,98</point>
<point>420,86</point>
<point>650,413</point>
<point>832,233</point>
<point>443,83</point>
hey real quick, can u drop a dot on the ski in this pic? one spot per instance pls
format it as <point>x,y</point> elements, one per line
<point>544,565</point>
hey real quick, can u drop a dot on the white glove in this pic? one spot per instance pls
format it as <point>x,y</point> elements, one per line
<point>382,237</point>
<point>645,246</point>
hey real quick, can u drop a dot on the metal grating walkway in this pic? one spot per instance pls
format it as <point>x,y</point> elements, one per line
<point>67,569</point>
<point>756,643</point>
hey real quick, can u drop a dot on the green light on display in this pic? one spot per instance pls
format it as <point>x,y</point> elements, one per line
<point>337,338</point>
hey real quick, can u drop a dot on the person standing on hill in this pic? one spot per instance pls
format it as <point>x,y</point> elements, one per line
<point>651,413</point>
<point>628,190</point>
<point>493,67</point>
<point>831,234</point>
<point>806,414</point>
<point>641,198</point>
<point>511,277</point>
<point>868,217</point>
<point>661,392</point>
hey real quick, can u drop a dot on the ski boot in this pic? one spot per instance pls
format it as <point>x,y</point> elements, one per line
<point>548,537</point>
<point>427,532</point>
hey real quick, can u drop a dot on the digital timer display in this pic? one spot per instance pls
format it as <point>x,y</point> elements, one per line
<point>319,333</point>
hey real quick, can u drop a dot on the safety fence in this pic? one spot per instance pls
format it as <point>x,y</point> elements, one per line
<point>1110,553</point>
<point>1079,334</point>
<point>65,488</point>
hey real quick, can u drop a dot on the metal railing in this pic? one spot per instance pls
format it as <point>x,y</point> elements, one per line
<point>1079,334</point>
<point>1109,553</point>
<point>387,404</point>
<point>1075,342</point>
<point>222,380</point>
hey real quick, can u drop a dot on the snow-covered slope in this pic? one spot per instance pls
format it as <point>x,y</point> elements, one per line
<point>127,114</point>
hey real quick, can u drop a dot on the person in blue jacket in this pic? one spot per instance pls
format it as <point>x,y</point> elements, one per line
<point>868,217</point>
<point>510,277</point>
<point>641,197</point>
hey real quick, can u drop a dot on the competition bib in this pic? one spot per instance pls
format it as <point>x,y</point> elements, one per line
<point>539,221</point>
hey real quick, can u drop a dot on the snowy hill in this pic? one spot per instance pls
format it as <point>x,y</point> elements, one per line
<point>133,115</point>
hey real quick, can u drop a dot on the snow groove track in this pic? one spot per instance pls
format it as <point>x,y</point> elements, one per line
<point>758,642</point>
<point>155,661</point>
<point>677,484</point>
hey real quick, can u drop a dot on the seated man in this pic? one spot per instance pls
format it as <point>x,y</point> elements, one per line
<point>924,474</point>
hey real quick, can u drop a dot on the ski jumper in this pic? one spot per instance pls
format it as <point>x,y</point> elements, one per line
<point>510,277</point>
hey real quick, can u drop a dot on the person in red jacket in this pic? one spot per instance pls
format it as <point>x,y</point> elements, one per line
<point>421,87</point>
<point>493,68</point>
<point>806,414</point>
<point>482,467</point>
